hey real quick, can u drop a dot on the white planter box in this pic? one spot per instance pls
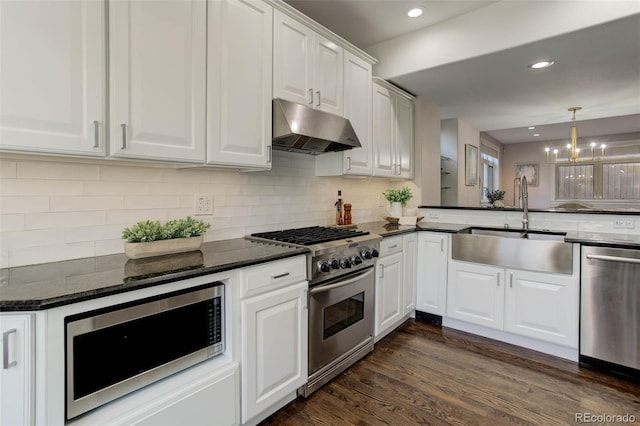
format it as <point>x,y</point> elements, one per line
<point>158,248</point>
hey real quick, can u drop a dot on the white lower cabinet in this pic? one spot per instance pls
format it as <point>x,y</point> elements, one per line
<point>432,272</point>
<point>542,306</point>
<point>17,374</point>
<point>274,343</point>
<point>395,283</point>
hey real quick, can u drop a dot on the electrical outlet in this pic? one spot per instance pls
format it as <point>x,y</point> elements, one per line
<point>381,201</point>
<point>619,223</point>
<point>434,215</point>
<point>630,224</point>
<point>204,205</point>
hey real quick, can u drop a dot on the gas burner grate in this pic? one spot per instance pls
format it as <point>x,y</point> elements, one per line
<point>310,235</point>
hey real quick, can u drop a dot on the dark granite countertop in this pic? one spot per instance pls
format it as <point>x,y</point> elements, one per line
<point>630,211</point>
<point>48,285</point>
<point>385,229</point>
<point>604,239</point>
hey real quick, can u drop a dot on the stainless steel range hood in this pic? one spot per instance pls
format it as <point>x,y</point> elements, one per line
<point>299,128</point>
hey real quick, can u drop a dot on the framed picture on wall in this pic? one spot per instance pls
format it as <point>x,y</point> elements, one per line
<point>471,165</point>
<point>530,171</point>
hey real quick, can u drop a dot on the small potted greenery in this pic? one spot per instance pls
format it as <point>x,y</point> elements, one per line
<point>151,238</point>
<point>495,197</point>
<point>398,199</point>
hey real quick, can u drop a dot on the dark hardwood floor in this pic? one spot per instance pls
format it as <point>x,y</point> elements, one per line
<point>424,374</point>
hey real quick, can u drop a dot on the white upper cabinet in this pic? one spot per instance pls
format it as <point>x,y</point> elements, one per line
<point>239,75</point>
<point>357,108</point>
<point>52,76</point>
<point>308,69</point>
<point>392,131</point>
<point>158,79</point>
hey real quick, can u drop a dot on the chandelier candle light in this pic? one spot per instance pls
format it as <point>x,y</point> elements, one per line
<point>573,152</point>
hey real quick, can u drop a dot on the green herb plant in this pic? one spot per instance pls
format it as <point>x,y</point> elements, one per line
<point>398,195</point>
<point>494,196</point>
<point>148,230</point>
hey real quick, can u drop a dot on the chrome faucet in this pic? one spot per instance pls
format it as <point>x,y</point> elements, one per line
<point>524,195</point>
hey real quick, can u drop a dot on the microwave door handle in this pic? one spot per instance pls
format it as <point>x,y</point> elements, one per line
<point>325,288</point>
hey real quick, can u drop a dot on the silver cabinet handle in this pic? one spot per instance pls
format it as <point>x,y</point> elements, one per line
<point>382,270</point>
<point>348,163</point>
<point>511,280</point>
<point>498,279</point>
<point>442,245</point>
<point>306,299</point>
<point>5,349</point>
<point>311,96</point>
<point>275,277</point>
<point>124,136</point>
<point>393,246</point>
<point>269,154</point>
<point>96,134</point>
<point>613,258</point>
<point>319,98</point>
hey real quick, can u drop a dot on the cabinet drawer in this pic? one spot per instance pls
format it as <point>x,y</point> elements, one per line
<point>391,245</point>
<point>269,276</point>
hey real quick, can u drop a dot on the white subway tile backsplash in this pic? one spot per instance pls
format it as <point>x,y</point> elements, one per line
<point>116,188</point>
<point>86,203</point>
<point>78,234</point>
<point>23,239</point>
<point>8,170</point>
<point>50,253</point>
<point>23,204</point>
<point>129,217</point>
<point>57,171</point>
<point>131,174</point>
<point>151,202</point>
<point>24,187</point>
<point>64,219</point>
<point>12,222</point>
<point>104,247</point>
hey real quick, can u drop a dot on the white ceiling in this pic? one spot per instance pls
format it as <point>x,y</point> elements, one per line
<point>597,68</point>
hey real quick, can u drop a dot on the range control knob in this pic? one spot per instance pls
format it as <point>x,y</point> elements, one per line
<point>345,263</point>
<point>357,260</point>
<point>374,253</point>
<point>335,264</point>
<point>324,266</point>
<point>366,254</point>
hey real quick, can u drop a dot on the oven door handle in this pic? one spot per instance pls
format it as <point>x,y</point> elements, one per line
<point>325,288</point>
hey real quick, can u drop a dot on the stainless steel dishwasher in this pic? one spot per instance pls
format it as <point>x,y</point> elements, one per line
<point>610,309</point>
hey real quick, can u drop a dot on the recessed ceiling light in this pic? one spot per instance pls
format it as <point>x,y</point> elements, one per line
<point>415,12</point>
<point>536,134</point>
<point>531,127</point>
<point>542,64</point>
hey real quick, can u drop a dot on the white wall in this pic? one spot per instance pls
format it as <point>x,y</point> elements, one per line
<point>56,210</point>
<point>427,151</point>
<point>528,153</point>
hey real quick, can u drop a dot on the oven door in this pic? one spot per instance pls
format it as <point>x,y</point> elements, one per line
<point>340,317</point>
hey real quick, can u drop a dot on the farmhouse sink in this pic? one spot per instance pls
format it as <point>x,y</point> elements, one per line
<point>539,251</point>
<point>516,233</point>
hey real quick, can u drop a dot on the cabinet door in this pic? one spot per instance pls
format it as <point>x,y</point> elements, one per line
<point>475,293</point>
<point>53,76</point>
<point>158,71</point>
<point>543,306</point>
<point>239,83</point>
<point>328,75</point>
<point>389,309</point>
<point>410,252</point>
<point>404,137</point>
<point>16,376</point>
<point>432,273</point>
<point>274,353</point>
<point>357,108</point>
<point>292,60</point>
<point>383,131</point>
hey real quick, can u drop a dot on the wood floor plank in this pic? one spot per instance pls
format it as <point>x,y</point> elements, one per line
<point>425,374</point>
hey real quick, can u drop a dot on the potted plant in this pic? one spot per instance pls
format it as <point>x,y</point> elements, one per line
<point>151,238</point>
<point>397,199</point>
<point>495,197</point>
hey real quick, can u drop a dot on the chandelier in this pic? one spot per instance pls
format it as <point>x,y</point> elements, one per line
<point>573,150</point>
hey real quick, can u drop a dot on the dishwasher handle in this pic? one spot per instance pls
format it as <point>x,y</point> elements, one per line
<point>613,258</point>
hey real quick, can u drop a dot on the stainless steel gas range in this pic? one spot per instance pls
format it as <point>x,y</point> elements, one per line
<point>341,296</point>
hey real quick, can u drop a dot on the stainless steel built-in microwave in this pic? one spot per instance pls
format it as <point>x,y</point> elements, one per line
<point>113,351</point>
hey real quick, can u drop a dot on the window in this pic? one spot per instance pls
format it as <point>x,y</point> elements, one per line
<point>606,181</point>
<point>490,170</point>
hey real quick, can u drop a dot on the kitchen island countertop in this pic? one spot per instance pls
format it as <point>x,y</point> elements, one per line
<point>48,285</point>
